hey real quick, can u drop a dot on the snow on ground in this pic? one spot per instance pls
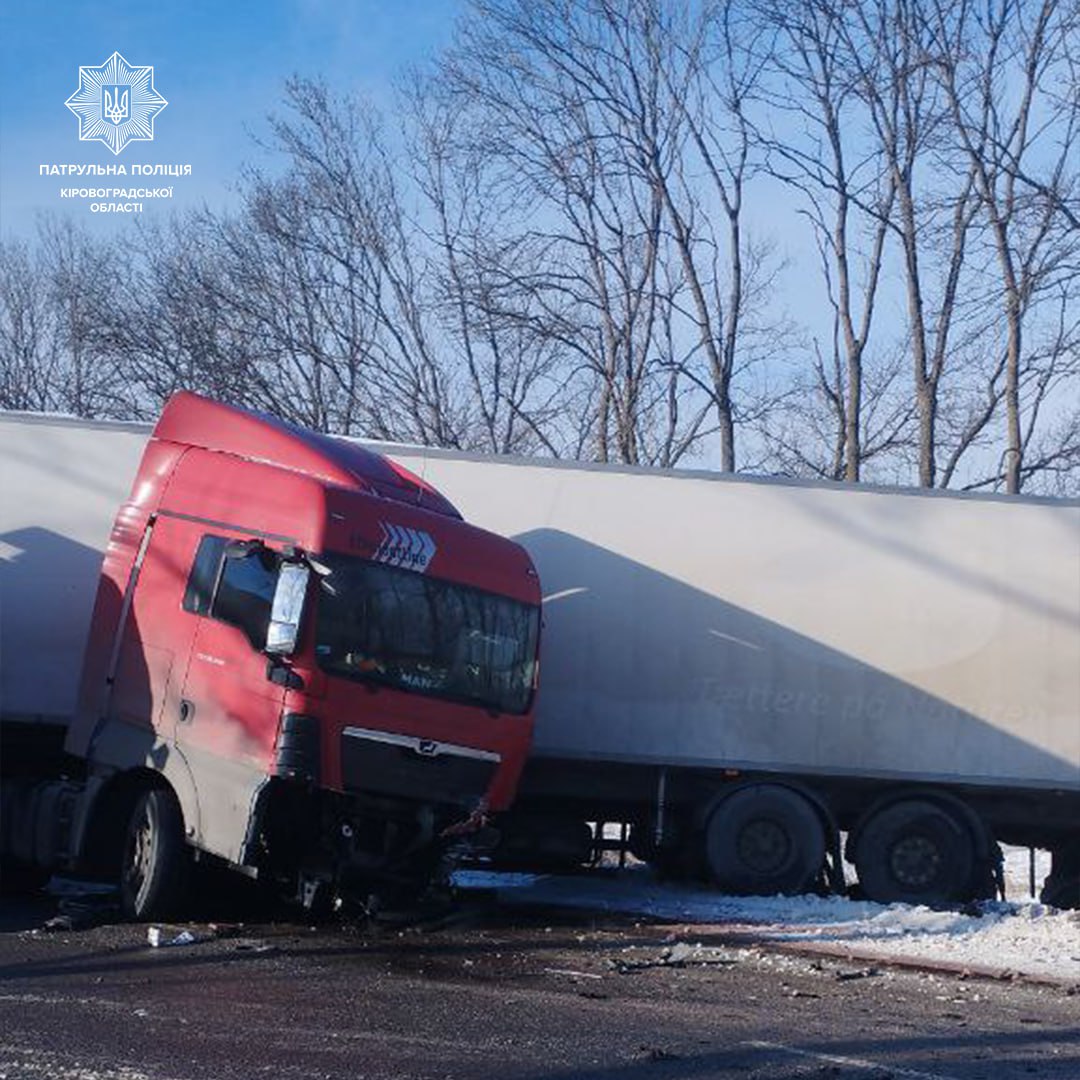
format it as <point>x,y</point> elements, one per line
<point>1020,936</point>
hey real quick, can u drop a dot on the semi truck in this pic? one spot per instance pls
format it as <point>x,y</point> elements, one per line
<point>753,678</point>
<point>284,653</point>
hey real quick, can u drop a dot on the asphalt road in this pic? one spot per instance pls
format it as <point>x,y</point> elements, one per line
<point>499,995</point>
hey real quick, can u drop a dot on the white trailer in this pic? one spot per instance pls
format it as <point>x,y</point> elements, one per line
<point>742,668</point>
<point>739,669</point>
<point>60,484</point>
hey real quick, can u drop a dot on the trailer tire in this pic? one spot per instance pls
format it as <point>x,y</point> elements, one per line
<point>154,867</point>
<point>765,839</point>
<point>1061,889</point>
<point>916,852</point>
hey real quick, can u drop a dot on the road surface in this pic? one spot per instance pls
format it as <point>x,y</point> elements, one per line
<point>494,994</point>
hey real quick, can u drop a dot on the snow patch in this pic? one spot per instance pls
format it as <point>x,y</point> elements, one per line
<point>1022,937</point>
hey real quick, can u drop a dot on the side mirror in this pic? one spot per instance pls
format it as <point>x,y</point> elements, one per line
<point>287,609</point>
<point>245,588</point>
<point>241,549</point>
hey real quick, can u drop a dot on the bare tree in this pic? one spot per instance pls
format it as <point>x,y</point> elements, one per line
<point>478,267</point>
<point>171,329</point>
<point>29,357</point>
<point>847,187</point>
<point>340,207</point>
<point>54,298</point>
<point>622,134</point>
<point>580,118</point>
<point>713,64</point>
<point>887,46</point>
<point>1007,69</point>
<point>84,284</point>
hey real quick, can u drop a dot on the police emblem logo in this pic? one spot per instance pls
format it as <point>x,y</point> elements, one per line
<point>116,103</point>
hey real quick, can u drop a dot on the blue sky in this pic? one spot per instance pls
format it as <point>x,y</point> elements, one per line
<point>220,66</point>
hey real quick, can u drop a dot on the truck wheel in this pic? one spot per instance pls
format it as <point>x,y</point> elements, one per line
<point>764,840</point>
<point>1061,889</point>
<point>153,874</point>
<point>915,852</point>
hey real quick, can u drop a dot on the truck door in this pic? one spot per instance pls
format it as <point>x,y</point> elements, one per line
<point>139,667</point>
<point>228,713</point>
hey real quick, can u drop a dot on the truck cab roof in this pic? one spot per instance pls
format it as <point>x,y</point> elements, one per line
<point>211,425</point>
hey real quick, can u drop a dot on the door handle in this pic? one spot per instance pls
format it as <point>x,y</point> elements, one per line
<point>187,711</point>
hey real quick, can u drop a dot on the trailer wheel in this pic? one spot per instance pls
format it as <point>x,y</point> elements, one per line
<point>1062,887</point>
<point>153,873</point>
<point>763,840</point>
<point>915,852</point>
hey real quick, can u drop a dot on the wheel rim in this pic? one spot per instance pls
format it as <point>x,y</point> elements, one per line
<point>763,846</point>
<point>139,853</point>
<point>915,861</point>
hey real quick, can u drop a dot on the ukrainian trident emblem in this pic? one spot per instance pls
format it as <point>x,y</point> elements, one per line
<point>116,103</point>
<point>116,106</point>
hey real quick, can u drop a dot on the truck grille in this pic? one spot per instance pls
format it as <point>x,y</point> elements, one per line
<point>413,768</point>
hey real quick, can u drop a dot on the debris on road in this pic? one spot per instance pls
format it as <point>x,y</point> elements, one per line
<point>254,945</point>
<point>862,973</point>
<point>679,955</point>
<point>161,937</point>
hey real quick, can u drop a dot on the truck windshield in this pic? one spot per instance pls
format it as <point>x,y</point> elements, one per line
<point>418,633</point>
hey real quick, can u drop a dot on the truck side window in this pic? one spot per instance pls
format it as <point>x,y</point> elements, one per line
<point>245,594</point>
<point>204,573</point>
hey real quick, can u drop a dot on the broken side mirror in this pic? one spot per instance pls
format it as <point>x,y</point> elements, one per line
<point>287,609</point>
<point>242,549</point>
<point>245,588</point>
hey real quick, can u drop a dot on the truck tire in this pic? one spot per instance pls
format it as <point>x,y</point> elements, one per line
<point>763,840</point>
<point>915,852</point>
<point>154,870</point>
<point>1061,889</point>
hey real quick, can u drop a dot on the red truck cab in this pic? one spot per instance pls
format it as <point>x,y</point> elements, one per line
<point>302,661</point>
